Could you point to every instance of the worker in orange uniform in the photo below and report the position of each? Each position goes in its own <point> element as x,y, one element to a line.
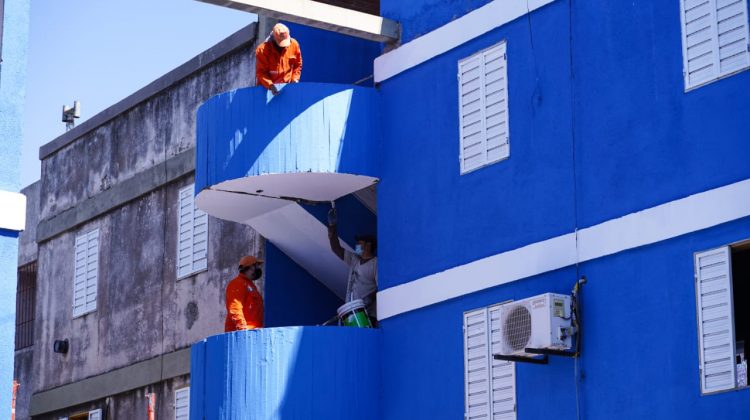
<point>244,302</point>
<point>278,59</point>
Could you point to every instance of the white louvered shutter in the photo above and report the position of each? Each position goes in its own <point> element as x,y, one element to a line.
<point>476,365</point>
<point>86,273</point>
<point>503,379</point>
<point>192,240</point>
<point>496,103</point>
<point>483,108</point>
<point>182,404</point>
<point>713,280</point>
<point>714,39</point>
<point>95,414</point>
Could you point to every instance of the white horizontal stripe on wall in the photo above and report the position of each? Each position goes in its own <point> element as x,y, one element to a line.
<point>451,35</point>
<point>669,220</point>
<point>12,211</point>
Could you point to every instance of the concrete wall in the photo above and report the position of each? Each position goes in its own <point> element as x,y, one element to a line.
<point>130,405</point>
<point>120,172</point>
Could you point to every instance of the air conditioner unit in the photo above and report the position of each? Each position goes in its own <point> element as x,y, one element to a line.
<point>539,322</point>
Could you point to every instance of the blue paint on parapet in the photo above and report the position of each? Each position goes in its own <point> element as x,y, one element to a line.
<point>299,373</point>
<point>292,295</point>
<point>308,127</point>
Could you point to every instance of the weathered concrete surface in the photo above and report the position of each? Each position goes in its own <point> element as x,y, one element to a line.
<point>128,405</point>
<point>27,246</point>
<point>115,382</point>
<point>113,176</point>
<point>119,194</point>
<point>140,138</point>
<point>23,370</point>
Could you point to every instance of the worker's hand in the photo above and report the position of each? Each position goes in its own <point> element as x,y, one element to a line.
<point>274,89</point>
<point>332,218</point>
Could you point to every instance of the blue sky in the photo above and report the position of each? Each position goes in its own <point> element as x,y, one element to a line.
<point>100,51</point>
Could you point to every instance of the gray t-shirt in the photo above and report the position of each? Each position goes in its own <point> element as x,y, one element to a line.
<point>362,280</point>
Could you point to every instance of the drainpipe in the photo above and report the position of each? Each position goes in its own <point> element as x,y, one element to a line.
<point>151,406</point>
<point>13,401</point>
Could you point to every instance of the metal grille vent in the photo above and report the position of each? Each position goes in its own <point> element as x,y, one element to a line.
<point>516,328</point>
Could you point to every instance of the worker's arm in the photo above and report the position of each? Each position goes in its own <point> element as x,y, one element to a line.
<point>262,69</point>
<point>234,307</point>
<point>333,238</point>
<point>297,72</point>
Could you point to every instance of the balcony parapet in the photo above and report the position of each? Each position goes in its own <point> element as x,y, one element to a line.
<point>313,141</point>
<point>287,373</point>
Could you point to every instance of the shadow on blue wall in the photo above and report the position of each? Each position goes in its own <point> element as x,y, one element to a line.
<point>293,296</point>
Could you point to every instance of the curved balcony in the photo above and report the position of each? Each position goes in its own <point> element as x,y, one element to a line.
<point>313,141</point>
<point>287,373</point>
<point>260,156</point>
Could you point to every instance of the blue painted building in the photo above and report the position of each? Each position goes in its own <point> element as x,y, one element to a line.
<point>515,148</point>
<point>14,27</point>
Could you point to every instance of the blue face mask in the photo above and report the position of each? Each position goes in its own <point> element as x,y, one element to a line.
<point>358,249</point>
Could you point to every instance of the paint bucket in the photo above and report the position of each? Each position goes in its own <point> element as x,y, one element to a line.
<point>353,314</point>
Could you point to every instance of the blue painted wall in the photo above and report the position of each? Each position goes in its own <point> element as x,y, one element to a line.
<point>431,217</point>
<point>639,356</point>
<point>292,295</point>
<point>640,139</point>
<point>329,57</point>
<point>308,373</point>
<point>15,27</point>
<point>417,17</point>
<point>618,137</point>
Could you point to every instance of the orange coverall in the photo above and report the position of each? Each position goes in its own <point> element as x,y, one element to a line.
<point>277,65</point>
<point>244,305</point>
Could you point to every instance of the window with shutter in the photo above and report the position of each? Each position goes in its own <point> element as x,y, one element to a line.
<point>715,314</point>
<point>489,385</point>
<point>86,273</point>
<point>714,40</point>
<point>182,404</point>
<point>483,108</point>
<point>192,232</point>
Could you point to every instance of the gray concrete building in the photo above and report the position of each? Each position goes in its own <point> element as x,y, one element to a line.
<point>116,264</point>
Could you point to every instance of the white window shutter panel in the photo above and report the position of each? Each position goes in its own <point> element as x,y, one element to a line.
<point>185,233</point>
<point>496,103</point>
<point>503,378</point>
<point>476,365</point>
<point>699,43</point>
<point>732,28</point>
<point>200,240</point>
<point>471,110</point>
<point>79,275</point>
<point>182,404</point>
<point>483,108</point>
<point>95,414</point>
<point>714,39</point>
<point>192,235</point>
<point>92,269</point>
<point>713,279</point>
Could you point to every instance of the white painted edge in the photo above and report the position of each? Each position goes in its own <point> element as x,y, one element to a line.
<point>451,35</point>
<point>659,223</point>
<point>319,15</point>
<point>12,211</point>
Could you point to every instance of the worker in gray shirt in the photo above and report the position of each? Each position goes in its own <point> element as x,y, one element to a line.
<point>362,282</point>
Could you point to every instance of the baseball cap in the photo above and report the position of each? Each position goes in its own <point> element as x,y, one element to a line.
<point>281,35</point>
